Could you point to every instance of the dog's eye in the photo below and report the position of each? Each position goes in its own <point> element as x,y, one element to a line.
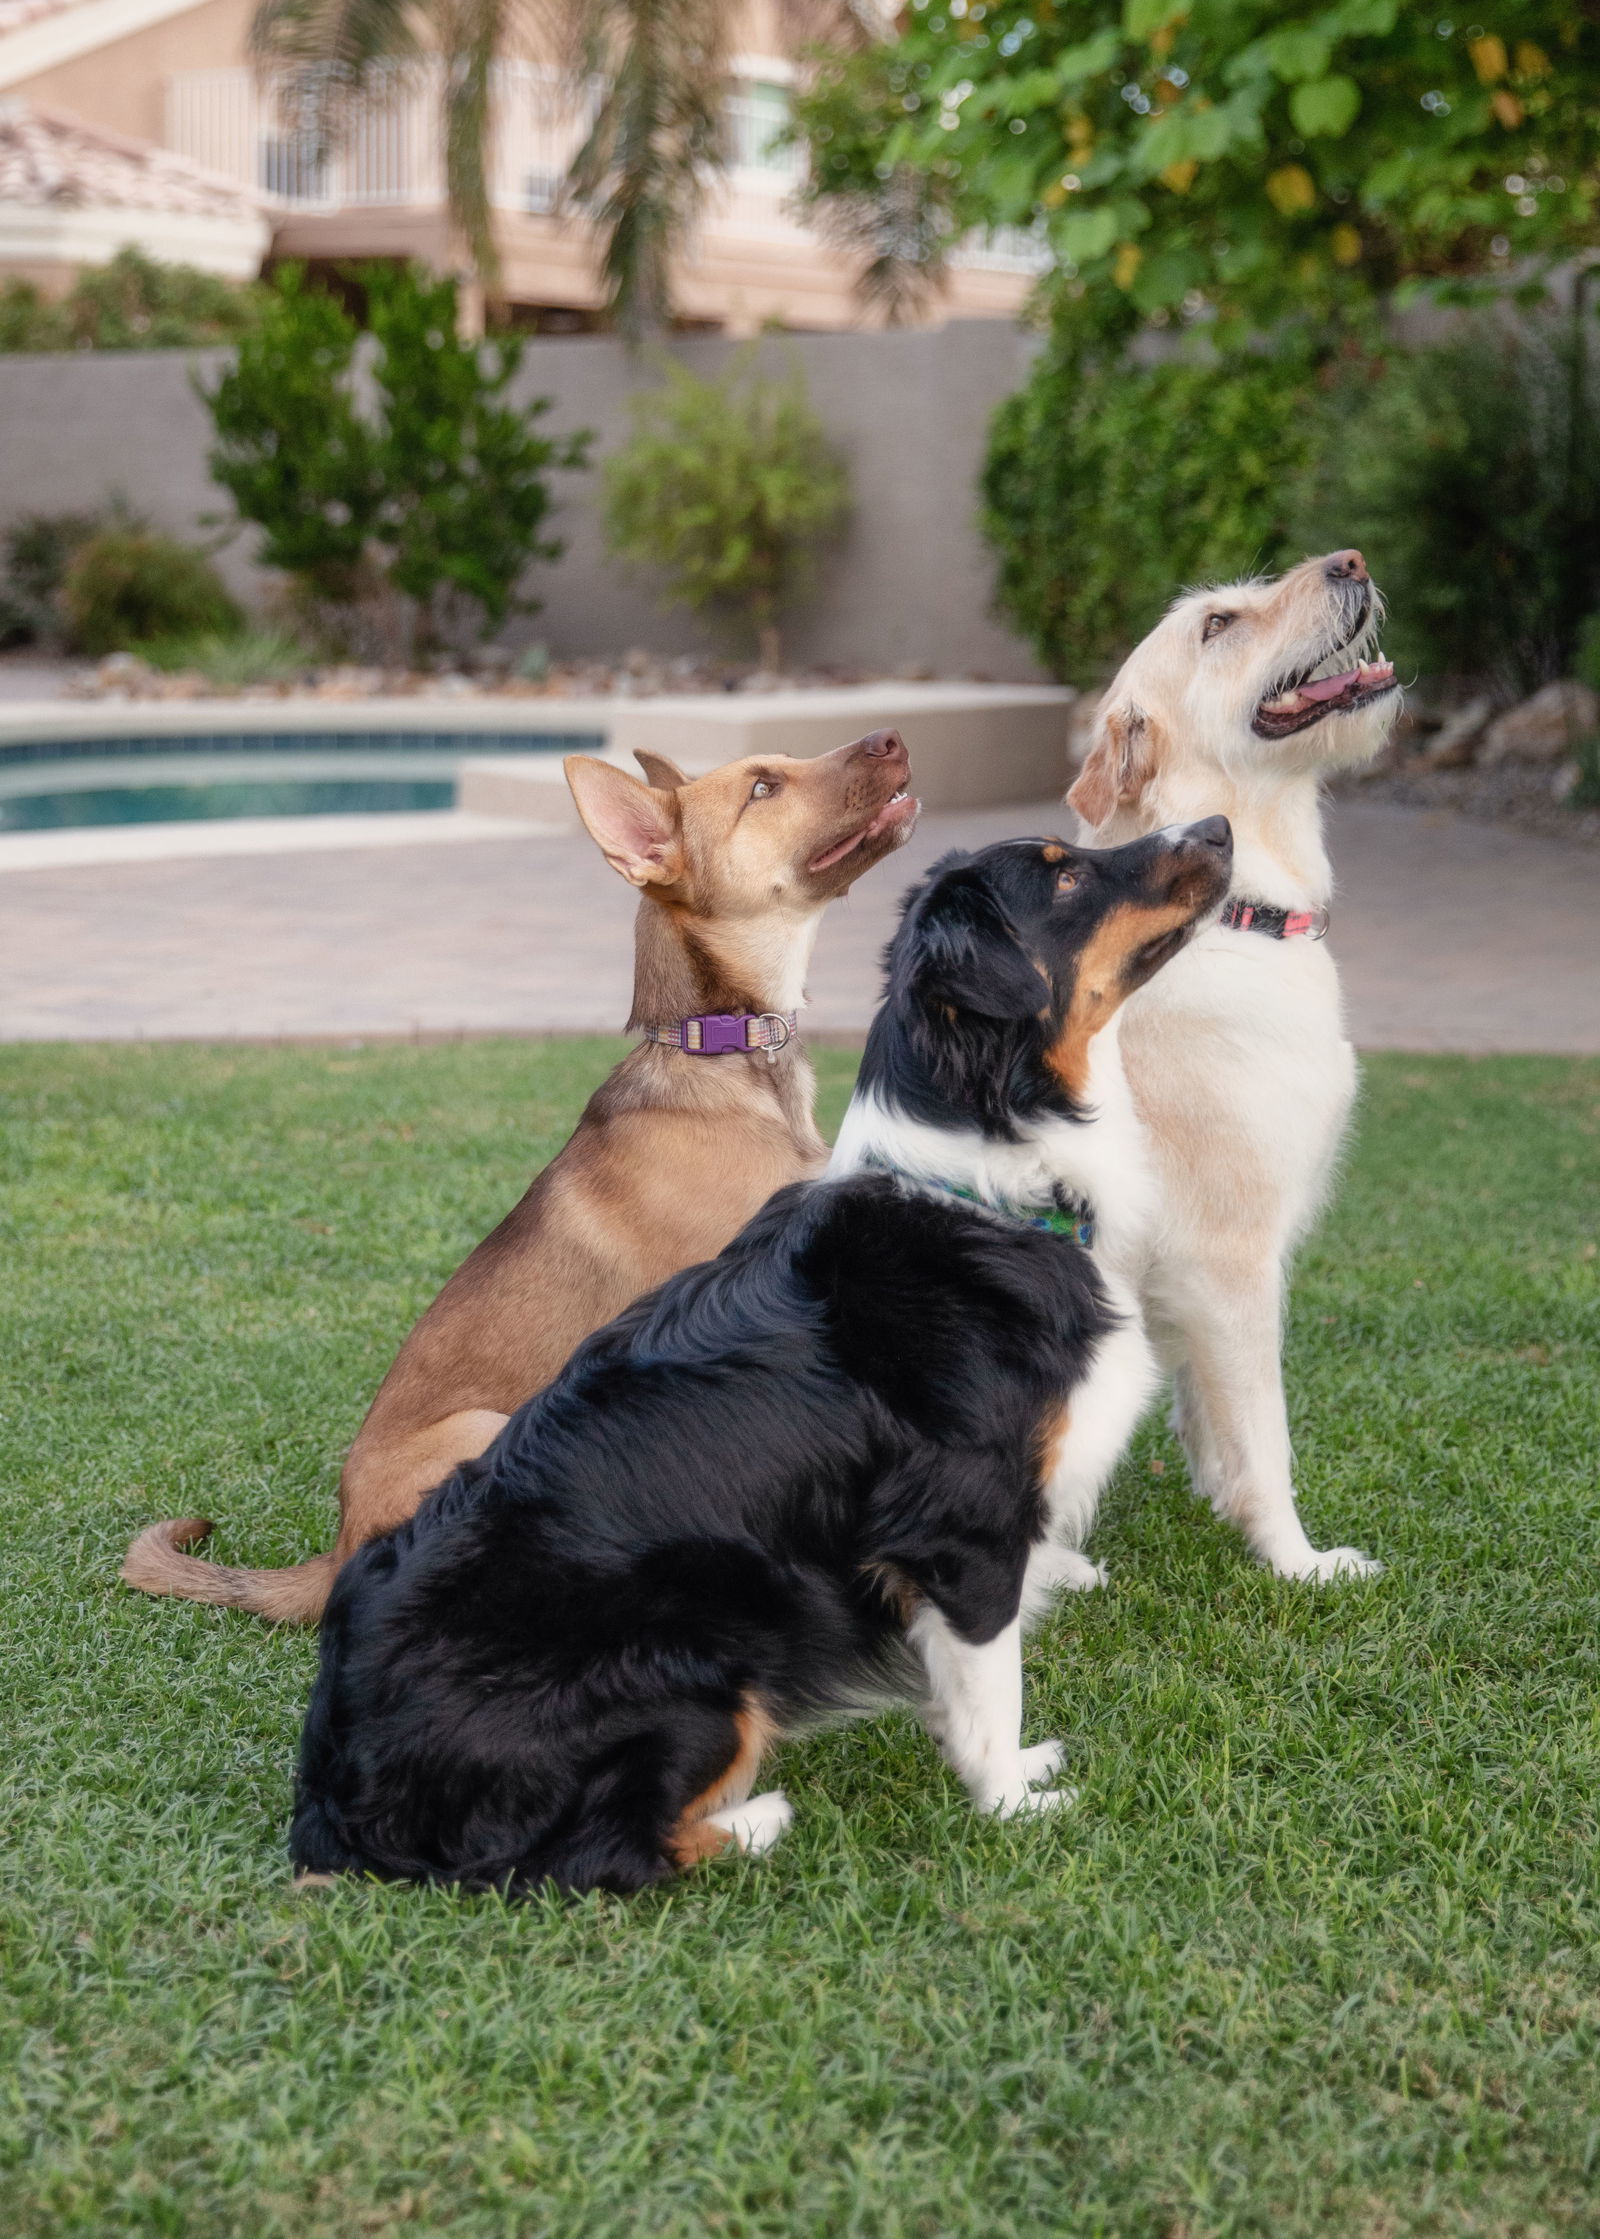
<point>1065,880</point>
<point>762,789</point>
<point>1215,625</point>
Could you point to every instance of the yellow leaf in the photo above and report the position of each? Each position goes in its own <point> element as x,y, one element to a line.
<point>1053,197</point>
<point>1080,139</point>
<point>1161,41</point>
<point>1345,243</point>
<point>1488,57</point>
<point>1532,61</point>
<point>1128,260</point>
<point>1290,189</point>
<point>1180,176</point>
<point>1507,108</point>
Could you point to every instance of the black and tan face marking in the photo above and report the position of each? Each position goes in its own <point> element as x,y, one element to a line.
<point>1009,961</point>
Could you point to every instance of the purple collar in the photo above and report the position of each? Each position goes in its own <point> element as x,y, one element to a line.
<point>728,1033</point>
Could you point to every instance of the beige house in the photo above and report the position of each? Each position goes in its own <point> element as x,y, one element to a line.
<point>172,75</point>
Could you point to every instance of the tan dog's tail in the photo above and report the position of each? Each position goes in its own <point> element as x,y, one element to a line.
<point>156,1564</point>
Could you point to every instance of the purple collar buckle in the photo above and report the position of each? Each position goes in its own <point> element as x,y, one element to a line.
<point>729,1033</point>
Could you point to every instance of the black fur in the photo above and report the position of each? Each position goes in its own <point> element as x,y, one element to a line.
<point>733,1494</point>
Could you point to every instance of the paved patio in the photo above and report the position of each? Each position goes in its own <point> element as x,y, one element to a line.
<point>1452,936</point>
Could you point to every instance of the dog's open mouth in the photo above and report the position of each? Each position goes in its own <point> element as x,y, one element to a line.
<point>1309,697</point>
<point>899,809</point>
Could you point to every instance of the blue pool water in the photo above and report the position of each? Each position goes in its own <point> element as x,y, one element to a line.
<point>55,784</point>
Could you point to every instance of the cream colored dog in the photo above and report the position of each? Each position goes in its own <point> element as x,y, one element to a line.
<point>1239,702</point>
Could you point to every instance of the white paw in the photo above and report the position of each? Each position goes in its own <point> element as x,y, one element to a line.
<point>1042,1762</point>
<point>1027,1803</point>
<point>1030,1791</point>
<point>1329,1562</point>
<point>1064,1570</point>
<point>756,1824</point>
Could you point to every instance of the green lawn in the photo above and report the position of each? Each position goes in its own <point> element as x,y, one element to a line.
<point>1318,1951</point>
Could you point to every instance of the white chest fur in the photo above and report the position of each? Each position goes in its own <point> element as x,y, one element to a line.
<point>1101,1160</point>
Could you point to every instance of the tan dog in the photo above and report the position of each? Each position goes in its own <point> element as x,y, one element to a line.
<point>1238,703</point>
<point>673,1153</point>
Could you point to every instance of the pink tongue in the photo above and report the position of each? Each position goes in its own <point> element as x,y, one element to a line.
<point>1329,687</point>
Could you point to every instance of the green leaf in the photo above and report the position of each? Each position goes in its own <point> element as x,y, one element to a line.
<point>1326,108</point>
<point>1298,51</point>
<point>1087,59</point>
<point>1086,234</point>
<point>1362,18</point>
<point>1141,18</point>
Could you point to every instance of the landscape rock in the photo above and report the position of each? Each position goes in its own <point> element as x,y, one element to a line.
<point>1545,728</point>
<point>1455,744</point>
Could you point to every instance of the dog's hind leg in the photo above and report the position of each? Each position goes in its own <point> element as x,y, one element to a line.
<point>1190,1427</point>
<point>725,1816</point>
<point>756,1824</point>
<point>973,1710</point>
<point>1231,1397</point>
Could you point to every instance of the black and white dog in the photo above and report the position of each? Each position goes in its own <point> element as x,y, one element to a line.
<point>839,1463</point>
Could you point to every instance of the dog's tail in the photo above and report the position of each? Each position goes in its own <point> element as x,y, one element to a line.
<point>156,1564</point>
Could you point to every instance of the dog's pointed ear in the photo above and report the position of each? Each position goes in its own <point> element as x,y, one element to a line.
<point>970,958</point>
<point>636,827</point>
<point>1119,765</point>
<point>660,769</point>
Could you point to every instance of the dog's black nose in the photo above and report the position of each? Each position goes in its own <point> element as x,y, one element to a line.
<point>1215,832</point>
<point>881,744</point>
<point>1345,567</point>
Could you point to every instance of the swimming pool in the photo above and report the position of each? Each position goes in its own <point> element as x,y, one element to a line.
<point>56,784</point>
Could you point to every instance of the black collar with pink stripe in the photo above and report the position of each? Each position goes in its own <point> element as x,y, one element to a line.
<point>1278,925</point>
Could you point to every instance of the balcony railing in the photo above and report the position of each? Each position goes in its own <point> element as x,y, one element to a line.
<point>391,153</point>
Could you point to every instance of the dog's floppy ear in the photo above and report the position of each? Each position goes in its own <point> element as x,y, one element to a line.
<point>969,958</point>
<point>660,769</point>
<point>636,827</point>
<point>1119,766</point>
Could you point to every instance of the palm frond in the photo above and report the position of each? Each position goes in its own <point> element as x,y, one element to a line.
<point>324,58</point>
<point>897,233</point>
<point>475,34</point>
<point>658,137</point>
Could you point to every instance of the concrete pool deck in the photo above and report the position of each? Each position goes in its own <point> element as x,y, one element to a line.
<point>1451,936</point>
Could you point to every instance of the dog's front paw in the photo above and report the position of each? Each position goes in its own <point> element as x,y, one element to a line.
<point>1027,1803</point>
<point>756,1824</point>
<point>1042,1762</point>
<point>1030,1791</point>
<point>1063,1570</point>
<point>1319,1565</point>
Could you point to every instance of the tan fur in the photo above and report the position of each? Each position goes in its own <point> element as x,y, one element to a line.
<point>1101,985</point>
<point>672,1156</point>
<point>692,1839</point>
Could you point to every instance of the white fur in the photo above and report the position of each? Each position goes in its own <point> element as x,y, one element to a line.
<point>974,1705</point>
<point>1102,1160</point>
<point>1236,1052</point>
<point>973,1711</point>
<point>757,1823</point>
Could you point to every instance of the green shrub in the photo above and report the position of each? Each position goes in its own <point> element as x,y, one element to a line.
<point>727,486</point>
<point>132,303</point>
<point>245,656</point>
<point>465,476</point>
<point>1469,474</point>
<point>36,551</point>
<point>127,585</point>
<point>1109,487</point>
<point>426,504</point>
<point>292,450</point>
